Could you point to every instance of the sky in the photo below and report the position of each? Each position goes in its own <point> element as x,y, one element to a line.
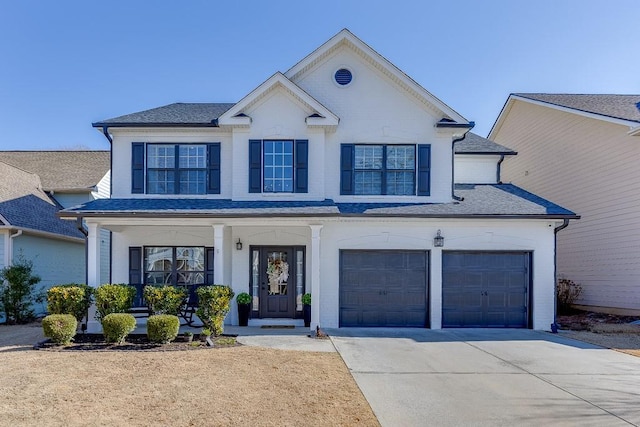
<point>67,64</point>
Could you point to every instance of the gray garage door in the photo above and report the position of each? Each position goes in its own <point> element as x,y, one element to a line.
<point>383,288</point>
<point>485,289</point>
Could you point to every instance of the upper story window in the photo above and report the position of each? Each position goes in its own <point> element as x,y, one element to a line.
<point>385,169</point>
<point>175,168</point>
<point>399,170</point>
<point>278,166</point>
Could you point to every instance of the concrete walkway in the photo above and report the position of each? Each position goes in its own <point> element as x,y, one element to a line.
<point>417,377</point>
<point>280,338</point>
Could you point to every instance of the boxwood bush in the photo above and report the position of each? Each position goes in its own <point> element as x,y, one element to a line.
<point>61,328</point>
<point>116,327</point>
<point>71,298</point>
<point>113,298</point>
<point>163,328</point>
<point>164,299</point>
<point>213,306</point>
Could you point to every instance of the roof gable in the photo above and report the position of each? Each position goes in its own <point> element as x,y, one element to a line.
<point>346,38</point>
<point>618,109</point>
<point>319,114</point>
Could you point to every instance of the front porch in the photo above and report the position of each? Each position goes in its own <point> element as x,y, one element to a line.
<point>240,253</point>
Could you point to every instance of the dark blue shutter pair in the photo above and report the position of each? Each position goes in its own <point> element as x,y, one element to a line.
<point>137,168</point>
<point>300,162</point>
<point>347,166</point>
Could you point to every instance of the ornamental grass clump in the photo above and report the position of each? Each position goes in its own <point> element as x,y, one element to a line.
<point>164,299</point>
<point>116,327</point>
<point>112,298</point>
<point>72,298</point>
<point>162,328</point>
<point>213,306</point>
<point>61,328</point>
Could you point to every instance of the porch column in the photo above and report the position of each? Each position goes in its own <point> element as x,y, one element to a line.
<point>93,255</point>
<point>218,258</point>
<point>93,272</point>
<point>315,275</point>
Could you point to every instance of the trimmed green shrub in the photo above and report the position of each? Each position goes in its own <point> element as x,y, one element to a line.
<point>113,298</point>
<point>18,293</point>
<point>306,299</point>
<point>213,306</point>
<point>61,328</point>
<point>243,298</point>
<point>164,299</point>
<point>163,328</point>
<point>72,298</point>
<point>116,326</point>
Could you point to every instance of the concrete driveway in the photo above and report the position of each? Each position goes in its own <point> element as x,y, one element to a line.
<point>464,377</point>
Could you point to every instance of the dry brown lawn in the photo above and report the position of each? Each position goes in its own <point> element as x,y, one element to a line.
<point>210,387</point>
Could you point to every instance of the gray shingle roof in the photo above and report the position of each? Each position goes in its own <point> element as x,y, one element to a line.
<point>479,200</point>
<point>475,144</point>
<point>62,170</point>
<point>185,114</point>
<point>24,205</point>
<point>625,107</point>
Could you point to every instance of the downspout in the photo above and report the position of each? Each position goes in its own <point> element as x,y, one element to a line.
<point>105,131</point>
<point>453,167</point>
<point>11,237</point>
<point>565,224</point>
<point>498,180</point>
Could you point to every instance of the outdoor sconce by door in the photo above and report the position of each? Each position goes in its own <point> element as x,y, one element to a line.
<point>239,245</point>
<point>438,241</point>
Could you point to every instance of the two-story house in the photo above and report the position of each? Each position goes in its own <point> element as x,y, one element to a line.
<point>334,178</point>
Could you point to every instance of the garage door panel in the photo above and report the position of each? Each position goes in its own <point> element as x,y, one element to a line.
<point>485,289</point>
<point>383,288</point>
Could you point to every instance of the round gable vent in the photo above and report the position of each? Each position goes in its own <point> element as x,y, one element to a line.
<point>343,77</point>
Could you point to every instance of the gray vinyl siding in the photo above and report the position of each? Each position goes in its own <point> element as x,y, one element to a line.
<point>589,166</point>
<point>55,261</point>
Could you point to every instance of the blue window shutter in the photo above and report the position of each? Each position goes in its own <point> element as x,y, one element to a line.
<point>424,170</point>
<point>213,157</point>
<point>135,272</point>
<point>209,263</point>
<point>255,166</point>
<point>137,167</point>
<point>301,166</point>
<point>347,161</point>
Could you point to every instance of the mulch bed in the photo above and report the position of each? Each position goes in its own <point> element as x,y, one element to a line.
<point>138,342</point>
<point>578,320</point>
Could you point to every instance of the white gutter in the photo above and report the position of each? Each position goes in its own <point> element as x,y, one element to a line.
<point>634,131</point>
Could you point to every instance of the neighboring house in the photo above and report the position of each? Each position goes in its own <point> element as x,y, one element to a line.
<point>334,178</point>
<point>34,187</point>
<point>583,151</point>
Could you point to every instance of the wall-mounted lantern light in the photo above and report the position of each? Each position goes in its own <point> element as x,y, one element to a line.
<point>239,244</point>
<point>438,241</point>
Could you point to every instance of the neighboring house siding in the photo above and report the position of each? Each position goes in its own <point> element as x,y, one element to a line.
<point>475,169</point>
<point>103,188</point>
<point>67,200</point>
<point>55,261</point>
<point>3,253</point>
<point>590,167</point>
